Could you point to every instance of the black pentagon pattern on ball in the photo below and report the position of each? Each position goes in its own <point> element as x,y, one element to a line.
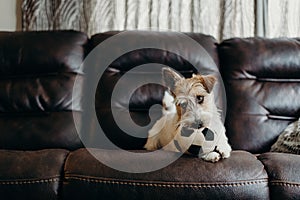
<point>195,150</point>
<point>177,146</point>
<point>208,134</point>
<point>186,132</point>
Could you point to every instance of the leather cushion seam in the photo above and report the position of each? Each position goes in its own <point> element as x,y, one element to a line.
<point>284,183</point>
<point>168,184</point>
<point>22,182</point>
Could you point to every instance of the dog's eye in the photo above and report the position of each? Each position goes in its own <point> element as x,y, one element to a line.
<point>183,105</point>
<point>200,99</point>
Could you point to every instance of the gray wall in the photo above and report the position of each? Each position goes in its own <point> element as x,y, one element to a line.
<point>10,15</point>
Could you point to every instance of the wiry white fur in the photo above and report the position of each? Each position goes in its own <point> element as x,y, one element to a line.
<point>168,104</point>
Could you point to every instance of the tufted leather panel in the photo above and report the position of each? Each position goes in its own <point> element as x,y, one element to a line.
<point>181,57</point>
<point>33,131</point>
<point>31,174</point>
<point>38,94</point>
<point>283,172</point>
<point>37,75</point>
<point>41,52</point>
<point>262,79</point>
<point>240,177</point>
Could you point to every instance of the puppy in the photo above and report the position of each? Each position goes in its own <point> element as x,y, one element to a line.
<point>188,104</point>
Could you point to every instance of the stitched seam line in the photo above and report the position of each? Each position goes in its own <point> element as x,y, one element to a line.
<point>168,184</point>
<point>21,182</point>
<point>287,184</point>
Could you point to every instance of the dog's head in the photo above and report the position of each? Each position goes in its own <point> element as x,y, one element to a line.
<point>193,98</point>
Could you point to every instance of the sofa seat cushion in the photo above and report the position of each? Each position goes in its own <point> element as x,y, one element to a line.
<point>31,174</point>
<point>240,176</point>
<point>284,176</point>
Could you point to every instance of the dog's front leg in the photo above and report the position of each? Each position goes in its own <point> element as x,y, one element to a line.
<point>224,149</point>
<point>152,143</point>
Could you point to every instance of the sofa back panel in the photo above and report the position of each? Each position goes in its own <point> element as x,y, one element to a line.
<point>40,93</point>
<point>140,100</point>
<point>262,59</point>
<point>262,80</point>
<point>42,52</point>
<point>37,91</point>
<point>180,58</point>
<point>33,131</point>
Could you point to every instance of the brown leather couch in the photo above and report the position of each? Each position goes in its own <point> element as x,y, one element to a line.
<point>45,91</point>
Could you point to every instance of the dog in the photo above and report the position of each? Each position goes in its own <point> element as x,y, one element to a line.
<point>188,103</point>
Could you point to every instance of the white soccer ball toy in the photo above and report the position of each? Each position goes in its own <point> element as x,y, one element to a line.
<point>196,141</point>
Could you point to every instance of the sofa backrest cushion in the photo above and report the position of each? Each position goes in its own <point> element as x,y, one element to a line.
<point>37,100</point>
<point>145,96</point>
<point>262,79</point>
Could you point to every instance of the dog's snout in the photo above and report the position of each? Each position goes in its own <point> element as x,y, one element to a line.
<point>197,124</point>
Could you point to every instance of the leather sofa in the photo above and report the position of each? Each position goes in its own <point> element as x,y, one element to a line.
<point>49,137</point>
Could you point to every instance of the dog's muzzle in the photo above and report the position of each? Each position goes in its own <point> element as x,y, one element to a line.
<point>197,124</point>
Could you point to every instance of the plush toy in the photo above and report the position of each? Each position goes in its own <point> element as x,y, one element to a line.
<point>196,141</point>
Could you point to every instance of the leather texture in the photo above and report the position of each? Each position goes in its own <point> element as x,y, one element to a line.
<point>283,172</point>
<point>31,174</point>
<point>262,79</point>
<point>37,93</point>
<point>41,52</point>
<point>188,178</point>
<point>39,102</point>
<point>142,98</point>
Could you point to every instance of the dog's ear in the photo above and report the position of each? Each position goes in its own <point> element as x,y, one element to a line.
<point>209,82</point>
<point>170,77</point>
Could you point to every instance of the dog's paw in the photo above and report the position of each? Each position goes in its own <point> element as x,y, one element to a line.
<point>224,150</point>
<point>211,157</point>
<point>151,144</point>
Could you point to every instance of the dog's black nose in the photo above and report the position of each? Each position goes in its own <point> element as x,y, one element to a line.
<point>197,124</point>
